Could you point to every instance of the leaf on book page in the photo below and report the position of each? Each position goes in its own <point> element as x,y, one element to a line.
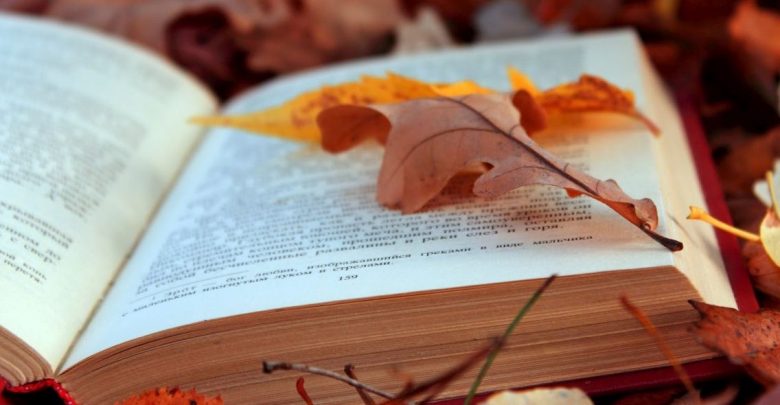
<point>428,141</point>
<point>171,396</point>
<point>296,118</point>
<point>590,94</point>
<point>749,339</point>
<point>540,396</point>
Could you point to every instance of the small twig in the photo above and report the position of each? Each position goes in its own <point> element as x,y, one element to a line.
<point>302,391</point>
<point>508,332</point>
<point>440,382</point>
<point>662,345</point>
<point>271,366</point>
<point>349,370</point>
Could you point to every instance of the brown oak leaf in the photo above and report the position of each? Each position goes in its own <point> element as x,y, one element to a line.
<point>750,339</point>
<point>428,141</point>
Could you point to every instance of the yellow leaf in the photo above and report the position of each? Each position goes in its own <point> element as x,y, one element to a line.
<point>459,89</point>
<point>296,119</point>
<point>770,236</point>
<point>591,94</point>
<point>519,81</point>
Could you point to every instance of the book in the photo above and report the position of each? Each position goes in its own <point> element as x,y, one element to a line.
<point>141,251</point>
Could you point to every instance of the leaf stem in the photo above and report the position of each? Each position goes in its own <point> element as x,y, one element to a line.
<point>771,184</point>
<point>508,332</point>
<point>271,366</point>
<point>702,215</point>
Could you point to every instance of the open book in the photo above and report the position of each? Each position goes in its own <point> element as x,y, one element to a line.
<point>137,250</point>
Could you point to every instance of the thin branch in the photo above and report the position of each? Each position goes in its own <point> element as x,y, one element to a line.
<point>440,382</point>
<point>271,366</point>
<point>508,332</point>
<point>662,345</point>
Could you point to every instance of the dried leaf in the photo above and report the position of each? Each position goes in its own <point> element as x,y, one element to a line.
<point>540,396</point>
<point>770,236</point>
<point>519,81</point>
<point>591,94</point>
<point>296,119</point>
<point>428,141</point>
<point>233,44</point>
<point>763,271</point>
<point>757,30</point>
<point>750,339</point>
<point>171,396</point>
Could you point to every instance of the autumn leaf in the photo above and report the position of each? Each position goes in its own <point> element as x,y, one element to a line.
<point>296,118</point>
<point>762,250</point>
<point>519,81</point>
<point>590,94</point>
<point>428,141</point>
<point>750,339</point>
<point>171,396</point>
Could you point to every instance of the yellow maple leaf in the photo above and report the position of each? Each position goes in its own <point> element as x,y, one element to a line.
<point>296,119</point>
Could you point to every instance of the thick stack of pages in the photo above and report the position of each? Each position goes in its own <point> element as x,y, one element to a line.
<point>128,264</point>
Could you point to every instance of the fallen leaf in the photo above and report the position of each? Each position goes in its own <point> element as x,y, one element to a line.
<point>296,119</point>
<point>428,141</point>
<point>749,339</point>
<point>171,396</point>
<point>763,271</point>
<point>540,396</point>
<point>233,44</point>
<point>591,94</point>
<point>770,235</point>
<point>520,81</point>
<point>756,29</point>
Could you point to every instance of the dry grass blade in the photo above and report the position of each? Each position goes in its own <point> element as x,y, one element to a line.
<point>643,319</point>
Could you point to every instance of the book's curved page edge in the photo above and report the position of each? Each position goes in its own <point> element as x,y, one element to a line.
<point>236,170</point>
<point>679,158</point>
<point>738,274</point>
<point>109,121</point>
<point>19,362</point>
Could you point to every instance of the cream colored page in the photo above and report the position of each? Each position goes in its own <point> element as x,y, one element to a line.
<point>92,133</point>
<point>701,261</point>
<point>257,223</point>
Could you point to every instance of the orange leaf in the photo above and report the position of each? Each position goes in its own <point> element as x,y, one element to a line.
<point>171,396</point>
<point>519,81</point>
<point>591,94</point>
<point>748,339</point>
<point>428,141</point>
<point>296,118</point>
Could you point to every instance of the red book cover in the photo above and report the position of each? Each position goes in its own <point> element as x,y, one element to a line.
<point>50,392</point>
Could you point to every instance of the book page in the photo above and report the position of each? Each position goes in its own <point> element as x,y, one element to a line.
<point>92,133</point>
<point>259,223</point>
